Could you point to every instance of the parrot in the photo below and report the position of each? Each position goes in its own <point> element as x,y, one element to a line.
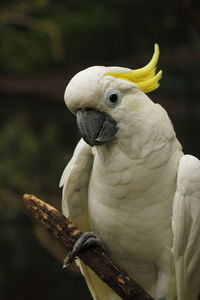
<point>129,186</point>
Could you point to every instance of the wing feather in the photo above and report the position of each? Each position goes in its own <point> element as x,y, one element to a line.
<point>186,228</point>
<point>75,181</point>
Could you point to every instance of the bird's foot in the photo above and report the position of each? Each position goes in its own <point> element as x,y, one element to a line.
<point>87,239</point>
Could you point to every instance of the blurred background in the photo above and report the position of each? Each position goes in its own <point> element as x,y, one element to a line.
<point>42,45</point>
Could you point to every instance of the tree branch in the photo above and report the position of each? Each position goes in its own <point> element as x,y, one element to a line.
<point>94,257</point>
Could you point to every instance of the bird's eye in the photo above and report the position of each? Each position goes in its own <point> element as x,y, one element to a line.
<point>113,98</point>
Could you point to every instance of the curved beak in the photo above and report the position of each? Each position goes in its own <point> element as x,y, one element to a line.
<point>96,127</point>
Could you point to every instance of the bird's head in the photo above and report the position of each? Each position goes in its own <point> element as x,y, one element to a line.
<point>101,97</point>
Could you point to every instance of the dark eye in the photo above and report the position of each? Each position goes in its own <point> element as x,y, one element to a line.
<point>113,98</point>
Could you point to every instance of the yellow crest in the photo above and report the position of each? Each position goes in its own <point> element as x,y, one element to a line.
<point>145,78</point>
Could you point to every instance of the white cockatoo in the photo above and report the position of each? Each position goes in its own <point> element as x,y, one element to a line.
<point>130,183</point>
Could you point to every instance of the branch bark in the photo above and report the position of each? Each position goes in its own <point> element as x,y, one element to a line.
<point>94,257</point>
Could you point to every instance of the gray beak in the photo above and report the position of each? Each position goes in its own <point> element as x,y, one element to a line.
<point>96,127</point>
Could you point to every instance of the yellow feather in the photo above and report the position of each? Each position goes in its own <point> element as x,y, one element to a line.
<point>145,78</point>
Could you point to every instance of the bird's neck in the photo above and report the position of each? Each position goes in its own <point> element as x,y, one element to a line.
<point>150,155</point>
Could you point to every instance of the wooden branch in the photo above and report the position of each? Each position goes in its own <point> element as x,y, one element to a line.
<point>94,257</point>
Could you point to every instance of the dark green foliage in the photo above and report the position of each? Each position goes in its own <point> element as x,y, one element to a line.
<point>39,38</point>
<point>35,145</point>
<point>41,34</point>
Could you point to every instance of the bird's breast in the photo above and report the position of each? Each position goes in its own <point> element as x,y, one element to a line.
<point>130,208</point>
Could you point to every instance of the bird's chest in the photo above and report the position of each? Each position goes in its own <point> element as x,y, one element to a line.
<point>130,213</point>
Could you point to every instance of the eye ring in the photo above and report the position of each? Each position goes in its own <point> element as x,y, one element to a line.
<point>113,98</point>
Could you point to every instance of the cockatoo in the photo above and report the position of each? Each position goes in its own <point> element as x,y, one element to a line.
<point>130,183</point>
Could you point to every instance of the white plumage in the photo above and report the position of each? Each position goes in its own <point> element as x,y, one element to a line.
<point>137,192</point>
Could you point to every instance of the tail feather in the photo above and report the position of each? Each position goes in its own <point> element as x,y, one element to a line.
<point>98,289</point>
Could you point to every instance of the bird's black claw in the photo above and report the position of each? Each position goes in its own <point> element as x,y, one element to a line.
<point>68,260</point>
<point>87,239</point>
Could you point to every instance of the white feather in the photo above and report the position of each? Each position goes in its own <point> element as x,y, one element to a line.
<point>186,227</point>
<point>124,191</point>
<point>75,182</point>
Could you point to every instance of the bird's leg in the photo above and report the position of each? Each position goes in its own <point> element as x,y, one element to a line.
<point>87,239</point>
